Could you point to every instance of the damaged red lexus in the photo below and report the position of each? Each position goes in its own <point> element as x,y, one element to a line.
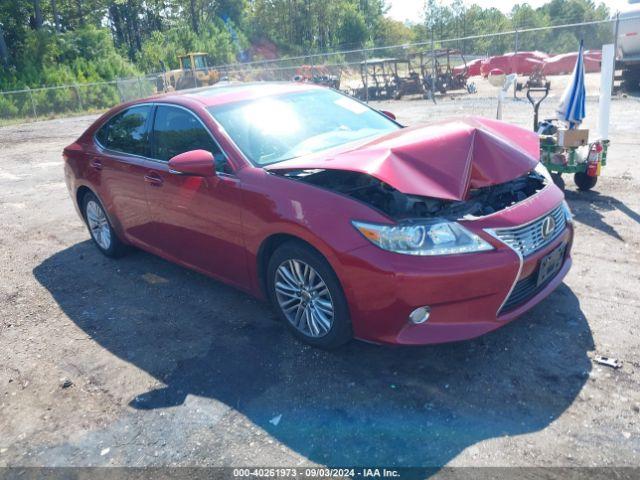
<point>351,224</point>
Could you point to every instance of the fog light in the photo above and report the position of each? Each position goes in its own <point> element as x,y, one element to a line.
<point>420,315</point>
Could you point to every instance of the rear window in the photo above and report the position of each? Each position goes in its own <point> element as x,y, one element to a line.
<point>127,131</point>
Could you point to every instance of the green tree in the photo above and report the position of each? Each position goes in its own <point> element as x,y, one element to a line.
<point>353,30</point>
<point>393,32</point>
<point>58,41</point>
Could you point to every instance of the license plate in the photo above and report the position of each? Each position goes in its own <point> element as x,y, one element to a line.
<point>551,264</point>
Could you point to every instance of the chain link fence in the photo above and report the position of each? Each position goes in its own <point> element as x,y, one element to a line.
<point>49,102</point>
<point>365,73</point>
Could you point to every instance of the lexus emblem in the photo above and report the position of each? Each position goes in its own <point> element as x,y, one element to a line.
<point>548,226</point>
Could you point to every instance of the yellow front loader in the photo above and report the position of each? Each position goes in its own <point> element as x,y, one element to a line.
<point>194,72</point>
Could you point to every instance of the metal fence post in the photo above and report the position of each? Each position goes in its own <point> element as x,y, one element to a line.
<point>120,89</point>
<point>75,85</point>
<point>140,87</point>
<point>33,104</point>
<point>515,84</point>
<point>366,76</point>
<point>434,69</point>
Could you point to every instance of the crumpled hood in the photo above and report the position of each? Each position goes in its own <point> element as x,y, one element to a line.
<point>442,160</point>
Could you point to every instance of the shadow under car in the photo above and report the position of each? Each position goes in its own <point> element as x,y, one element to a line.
<point>361,405</point>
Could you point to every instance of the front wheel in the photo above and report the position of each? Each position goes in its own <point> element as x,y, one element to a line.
<point>584,182</point>
<point>307,294</point>
<point>102,233</point>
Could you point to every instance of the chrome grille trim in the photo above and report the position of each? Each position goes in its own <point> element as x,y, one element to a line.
<point>527,288</point>
<point>512,233</point>
<point>516,278</point>
<point>527,239</point>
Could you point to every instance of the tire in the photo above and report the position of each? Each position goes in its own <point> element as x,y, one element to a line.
<point>102,233</point>
<point>331,331</point>
<point>584,182</point>
<point>631,79</point>
<point>558,180</point>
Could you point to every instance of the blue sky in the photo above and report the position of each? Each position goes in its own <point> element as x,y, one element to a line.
<point>412,9</point>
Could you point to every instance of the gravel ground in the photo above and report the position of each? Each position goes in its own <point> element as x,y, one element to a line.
<point>138,362</point>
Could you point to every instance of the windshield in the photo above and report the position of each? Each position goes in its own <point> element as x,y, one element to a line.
<point>278,128</point>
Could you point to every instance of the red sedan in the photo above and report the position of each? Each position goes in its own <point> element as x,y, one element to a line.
<point>352,225</point>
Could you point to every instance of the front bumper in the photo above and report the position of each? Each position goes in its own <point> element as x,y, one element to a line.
<point>465,292</point>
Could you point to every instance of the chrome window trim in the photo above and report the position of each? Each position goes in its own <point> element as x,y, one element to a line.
<point>166,104</point>
<point>156,160</point>
<point>106,149</point>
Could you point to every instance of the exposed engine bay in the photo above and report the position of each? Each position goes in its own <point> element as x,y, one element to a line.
<point>397,205</point>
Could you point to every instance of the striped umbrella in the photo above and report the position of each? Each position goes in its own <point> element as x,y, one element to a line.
<point>572,103</point>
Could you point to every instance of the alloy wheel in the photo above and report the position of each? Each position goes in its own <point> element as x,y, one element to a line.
<point>304,298</point>
<point>98,224</point>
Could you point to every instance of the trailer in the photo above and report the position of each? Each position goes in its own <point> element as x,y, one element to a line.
<point>567,151</point>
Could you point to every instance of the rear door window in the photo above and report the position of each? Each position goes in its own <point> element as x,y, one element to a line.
<point>176,131</point>
<point>127,132</point>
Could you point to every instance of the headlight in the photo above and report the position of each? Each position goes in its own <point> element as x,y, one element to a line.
<point>567,212</point>
<point>435,237</point>
<point>542,170</point>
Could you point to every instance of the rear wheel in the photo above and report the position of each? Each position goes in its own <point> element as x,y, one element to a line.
<point>631,79</point>
<point>102,233</point>
<point>307,294</point>
<point>584,182</point>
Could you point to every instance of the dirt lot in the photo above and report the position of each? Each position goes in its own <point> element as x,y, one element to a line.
<point>104,364</point>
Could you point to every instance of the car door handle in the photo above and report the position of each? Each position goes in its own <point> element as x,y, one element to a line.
<point>153,178</point>
<point>96,163</point>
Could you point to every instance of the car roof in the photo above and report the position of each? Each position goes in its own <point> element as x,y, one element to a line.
<point>230,92</point>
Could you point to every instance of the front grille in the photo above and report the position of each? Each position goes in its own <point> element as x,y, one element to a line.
<point>527,239</point>
<point>527,288</point>
<point>524,290</point>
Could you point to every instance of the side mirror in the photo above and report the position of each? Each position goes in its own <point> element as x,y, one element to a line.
<point>388,114</point>
<point>199,163</point>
